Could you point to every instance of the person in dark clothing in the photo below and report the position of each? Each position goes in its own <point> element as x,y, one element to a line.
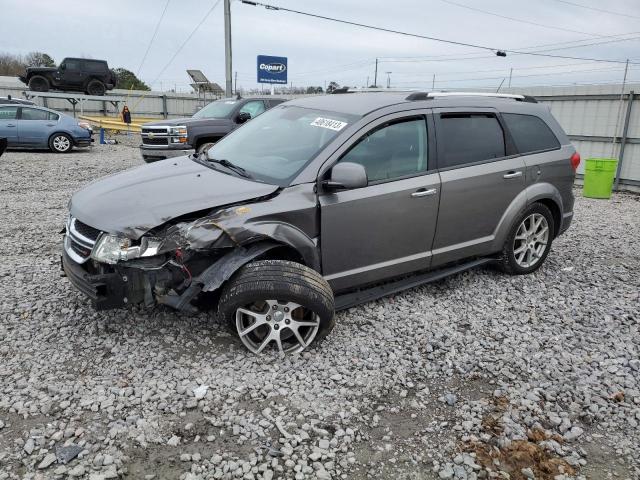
<point>126,115</point>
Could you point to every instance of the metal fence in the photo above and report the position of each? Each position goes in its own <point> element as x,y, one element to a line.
<point>592,115</point>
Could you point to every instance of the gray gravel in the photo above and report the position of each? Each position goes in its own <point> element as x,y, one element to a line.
<point>471,377</point>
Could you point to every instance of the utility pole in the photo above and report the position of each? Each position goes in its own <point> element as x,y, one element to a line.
<point>227,48</point>
<point>367,84</point>
<point>235,83</point>
<point>510,75</point>
<point>433,84</point>
<point>615,131</point>
<point>375,77</point>
<point>388,79</point>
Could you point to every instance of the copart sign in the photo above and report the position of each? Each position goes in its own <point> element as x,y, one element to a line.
<point>272,69</point>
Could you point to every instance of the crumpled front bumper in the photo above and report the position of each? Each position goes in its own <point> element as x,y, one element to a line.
<point>107,290</point>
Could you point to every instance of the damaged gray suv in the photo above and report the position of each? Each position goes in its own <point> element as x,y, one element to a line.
<point>323,203</point>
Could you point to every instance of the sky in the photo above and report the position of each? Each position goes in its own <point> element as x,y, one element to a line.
<point>320,51</point>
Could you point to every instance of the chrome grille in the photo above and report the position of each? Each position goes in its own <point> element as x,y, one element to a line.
<point>155,135</point>
<point>79,240</point>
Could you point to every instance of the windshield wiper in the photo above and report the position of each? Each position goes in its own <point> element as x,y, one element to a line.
<point>231,166</point>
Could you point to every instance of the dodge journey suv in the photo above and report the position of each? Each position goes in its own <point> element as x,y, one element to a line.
<point>323,203</point>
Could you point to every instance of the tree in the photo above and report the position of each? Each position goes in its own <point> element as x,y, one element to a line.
<point>128,80</point>
<point>332,86</point>
<point>11,65</point>
<point>39,59</point>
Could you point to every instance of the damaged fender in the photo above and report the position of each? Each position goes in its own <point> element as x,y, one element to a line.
<point>214,276</point>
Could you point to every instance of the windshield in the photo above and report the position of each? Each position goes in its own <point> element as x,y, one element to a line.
<point>278,144</point>
<point>218,109</point>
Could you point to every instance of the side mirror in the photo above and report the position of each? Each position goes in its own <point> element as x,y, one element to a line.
<point>243,117</point>
<point>347,175</point>
<point>63,67</point>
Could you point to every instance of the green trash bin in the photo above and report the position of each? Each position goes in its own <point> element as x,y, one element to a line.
<point>598,177</point>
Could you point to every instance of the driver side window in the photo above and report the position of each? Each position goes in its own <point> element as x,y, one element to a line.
<point>392,150</point>
<point>253,108</point>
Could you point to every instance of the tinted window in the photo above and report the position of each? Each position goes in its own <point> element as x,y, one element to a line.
<point>253,108</point>
<point>392,150</point>
<point>72,65</point>
<point>218,109</point>
<point>53,116</point>
<point>33,114</point>
<point>468,138</point>
<point>530,133</point>
<point>8,113</point>
<point>94,66</point>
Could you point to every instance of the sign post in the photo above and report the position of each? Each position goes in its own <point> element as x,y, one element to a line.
<point>272,70</point>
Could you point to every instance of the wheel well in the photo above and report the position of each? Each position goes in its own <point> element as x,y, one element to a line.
<point>284,252</point>
<point>59,133</point>
<point>555,212</point>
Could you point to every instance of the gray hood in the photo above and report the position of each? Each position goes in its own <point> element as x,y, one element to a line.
<point>136,200</point>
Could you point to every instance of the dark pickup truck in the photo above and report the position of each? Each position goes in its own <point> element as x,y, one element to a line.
<point>181,136</point>
<point>90,76</point>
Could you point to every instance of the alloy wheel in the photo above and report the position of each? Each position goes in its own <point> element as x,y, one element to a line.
<point>292,327</point>
<point>61,143</point>
<point>531,240</point>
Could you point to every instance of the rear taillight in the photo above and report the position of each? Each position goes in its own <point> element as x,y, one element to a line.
<point>575,161</point>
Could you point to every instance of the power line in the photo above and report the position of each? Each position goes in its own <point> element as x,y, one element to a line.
<point>499,52</point>
<point>473,55</point>
<point>601,10</point>
<point>595,70</point>
<point>513,19</point>
<point>153,37</point>
<point>193,32</point>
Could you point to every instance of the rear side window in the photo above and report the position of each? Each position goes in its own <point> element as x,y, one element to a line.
<point>8,113</point>
<point>33,114</point>
<point>94,66</point>
<point>465,138</point>
<point>530,133</point>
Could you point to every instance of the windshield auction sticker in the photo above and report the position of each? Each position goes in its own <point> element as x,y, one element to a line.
<point>336,125</point>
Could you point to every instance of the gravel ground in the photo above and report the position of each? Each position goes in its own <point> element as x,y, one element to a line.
<point>478,376</point>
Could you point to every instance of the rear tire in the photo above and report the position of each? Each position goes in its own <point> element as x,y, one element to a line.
<point>96,87</point>
<point>38,83</point>
<point>60,143</point>
<point>529,241</point>
<point>277,303</point>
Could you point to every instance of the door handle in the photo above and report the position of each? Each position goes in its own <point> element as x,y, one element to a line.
<point>424,193</point>
<point>512,174</point>
<point>51,124</point>
<point>10,125</point>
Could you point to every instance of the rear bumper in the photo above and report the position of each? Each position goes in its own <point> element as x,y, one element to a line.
<point>154,154</point>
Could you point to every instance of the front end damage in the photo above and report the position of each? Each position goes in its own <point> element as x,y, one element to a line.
<point>173,264</point>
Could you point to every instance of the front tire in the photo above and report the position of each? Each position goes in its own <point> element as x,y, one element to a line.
<point>277,304</point>
<point>38,83</point>
<point>529,241</point>
<point>60,143</point>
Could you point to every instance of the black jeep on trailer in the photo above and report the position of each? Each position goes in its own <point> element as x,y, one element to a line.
<point>92,77</point>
